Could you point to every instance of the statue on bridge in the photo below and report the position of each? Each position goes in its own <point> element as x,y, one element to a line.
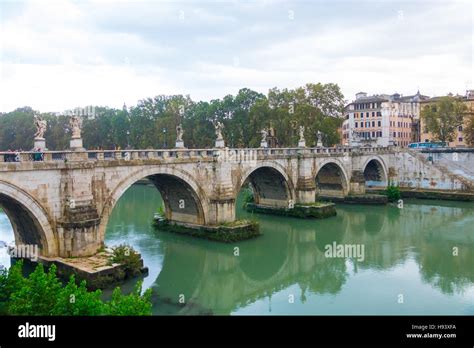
<point>76,141</point>
<point>263,142</point>
<point>75,124</point>
<point>39,141</point>
<point>219,139</point>
<point>319,142</point>
<point>179,137</point>
<point>40,127</point>
<point>302,141</point>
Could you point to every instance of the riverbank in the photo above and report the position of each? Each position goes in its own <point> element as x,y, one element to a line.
<point>429,194</point>
<point>99,270</point>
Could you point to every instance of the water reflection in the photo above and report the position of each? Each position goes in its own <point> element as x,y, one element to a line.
<point>407,251</point>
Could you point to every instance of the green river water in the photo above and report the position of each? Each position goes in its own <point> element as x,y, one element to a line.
<point>408,266</point>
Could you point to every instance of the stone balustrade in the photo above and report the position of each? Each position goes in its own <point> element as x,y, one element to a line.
<point>171,154</point>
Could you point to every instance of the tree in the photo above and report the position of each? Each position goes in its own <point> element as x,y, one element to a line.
<point>77,300</point>
<point>443,117</point>
<point>132,304</point>
<point>37,295</point>
<point>315,106</point>
<point>42,293</point>
<point>469,131</point>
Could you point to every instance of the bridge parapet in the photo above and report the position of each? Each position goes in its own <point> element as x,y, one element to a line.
<point>191,154</point>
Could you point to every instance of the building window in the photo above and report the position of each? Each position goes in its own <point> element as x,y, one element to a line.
<point>379,113</point>
<point>373,113</point>
<point>356,124</point>
<point>460,128</point>
<point>373,134</point>
<point>379,123</point>
<point>373,123</point>
<point>367,114</point>
<point>394,134</point>
<point>460,139</point>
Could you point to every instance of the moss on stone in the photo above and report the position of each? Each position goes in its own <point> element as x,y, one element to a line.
<point>227,233</point>
<point>318,210</point>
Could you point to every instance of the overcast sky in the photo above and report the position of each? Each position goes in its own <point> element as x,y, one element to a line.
<point>57,55</point>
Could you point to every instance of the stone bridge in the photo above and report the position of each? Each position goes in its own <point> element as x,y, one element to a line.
<point>61,201</point>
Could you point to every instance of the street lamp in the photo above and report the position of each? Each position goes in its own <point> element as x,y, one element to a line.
<point>164,138</point>
<point>128,139</point>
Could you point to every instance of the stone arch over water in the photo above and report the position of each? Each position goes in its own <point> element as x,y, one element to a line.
<point>270,184</point>
<point>375,172</point>
<point>30,221</point>
<point>182,196</point>
<point>331,180</point>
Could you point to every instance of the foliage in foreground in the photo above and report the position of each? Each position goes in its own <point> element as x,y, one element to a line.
<point>42,293</point>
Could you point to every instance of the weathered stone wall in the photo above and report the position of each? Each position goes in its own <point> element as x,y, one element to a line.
<point>440,170</point>
<point>65,205</point>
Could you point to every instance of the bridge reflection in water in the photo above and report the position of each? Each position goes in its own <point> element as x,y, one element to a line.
<point>408,251</point>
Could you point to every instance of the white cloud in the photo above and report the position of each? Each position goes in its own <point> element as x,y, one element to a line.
<point>58,55</point>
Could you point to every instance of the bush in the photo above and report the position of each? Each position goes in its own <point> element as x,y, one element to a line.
<point>42,293</point>
<point>127,256</point>
<point>132,304</point>
<point>393,192</point>
<point>77,300</point>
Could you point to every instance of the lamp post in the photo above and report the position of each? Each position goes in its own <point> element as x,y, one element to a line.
<point>164,138</point>
<point>128,139</point>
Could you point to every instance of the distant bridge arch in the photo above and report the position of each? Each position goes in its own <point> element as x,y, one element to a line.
<point>331,178</point>
<point>375,170</point>
<point>270,182</point>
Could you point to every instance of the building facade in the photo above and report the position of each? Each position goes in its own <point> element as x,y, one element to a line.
<point>381,120</point>
<point>459,139</point>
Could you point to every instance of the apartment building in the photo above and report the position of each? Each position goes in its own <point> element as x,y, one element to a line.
<point>381,120</point>
<point>458,137</point>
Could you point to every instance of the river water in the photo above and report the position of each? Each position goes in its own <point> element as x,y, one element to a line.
<point>414,260</point>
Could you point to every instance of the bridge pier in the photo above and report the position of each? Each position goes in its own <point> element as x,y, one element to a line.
<point>78,231</point>
<point>305,190</point>
<point>222,211</point>
<point>357,183</point>
<point>305,185</point>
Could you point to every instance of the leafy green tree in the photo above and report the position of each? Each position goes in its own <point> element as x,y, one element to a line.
<point>132,304</point>
<point>77,300</point>
<point>42,293</point>
<point>244,115</point>
<point>37,295</point>
<point>468,131</point>
<point>17,129</point>
<point>443,117</point>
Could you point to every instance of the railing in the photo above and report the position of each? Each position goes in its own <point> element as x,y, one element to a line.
<point>168,154</point>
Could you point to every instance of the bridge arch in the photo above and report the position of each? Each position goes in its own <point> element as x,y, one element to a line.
<point>183,197</point>
<point>270,182</point>
<point>30,221</point>
<point>331,179</point>
<point>375,171</point>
